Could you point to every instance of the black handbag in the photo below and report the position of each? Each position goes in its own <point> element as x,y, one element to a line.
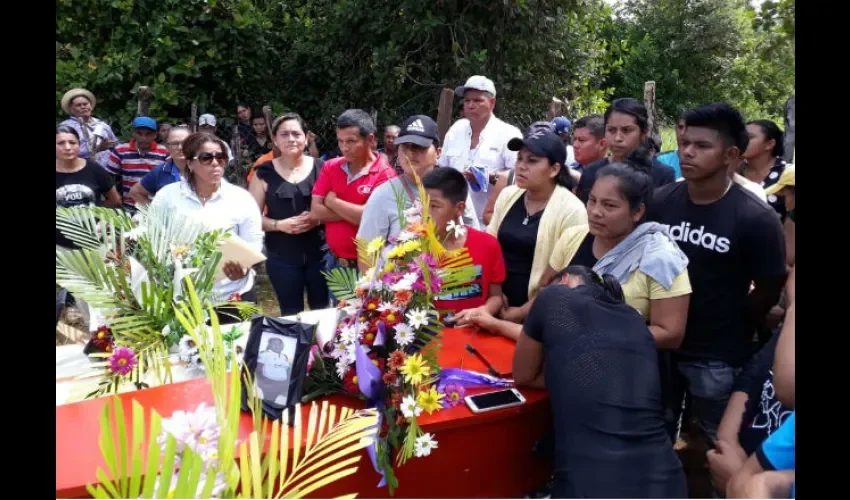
<point>276,356</point>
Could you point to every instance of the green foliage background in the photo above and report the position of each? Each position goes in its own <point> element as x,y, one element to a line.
<point>320,57</point>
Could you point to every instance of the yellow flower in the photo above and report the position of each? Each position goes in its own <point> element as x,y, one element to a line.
<point>430,400</point>
<point>415,369</point>
<point>375,245</point>
<point>389,267</point>
<point>412,246</point>
<point>397,252</point>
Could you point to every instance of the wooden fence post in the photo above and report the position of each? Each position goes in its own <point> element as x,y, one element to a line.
<point>445,112</point>
<point>145,97</point>
<point>649,102</point>
<point>790,129</point>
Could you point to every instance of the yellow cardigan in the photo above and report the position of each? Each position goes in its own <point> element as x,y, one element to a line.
<point>563,211</point>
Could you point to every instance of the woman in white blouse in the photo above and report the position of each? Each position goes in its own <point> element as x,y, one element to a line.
<point>206,196</point>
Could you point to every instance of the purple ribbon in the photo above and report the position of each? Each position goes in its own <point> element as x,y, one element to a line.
<point>468,378</point>
<point>381,337</point>
<point>369,378</point>
<point>372,450</point>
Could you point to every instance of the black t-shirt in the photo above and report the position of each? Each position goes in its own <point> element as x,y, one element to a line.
<point>661,175</point>
<point>730,243</point>
<point>764,413</point>
<point>601,372</point>
<point>284,200</point>
<point>518,240</point>
<point>83,188</point>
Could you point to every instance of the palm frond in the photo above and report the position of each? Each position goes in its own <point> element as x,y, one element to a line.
<point>342,281</point>
<point>363,254</point>
<point>93,227</point>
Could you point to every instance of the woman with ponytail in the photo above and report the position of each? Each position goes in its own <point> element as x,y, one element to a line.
<point>626,130</point>
<point>530,216</point>
<point>595,355</point>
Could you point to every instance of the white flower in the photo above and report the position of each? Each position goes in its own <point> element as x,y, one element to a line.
<point>413,219</point>
<point>409,408</point>
<point>458,229</point>
<point>403,285</point>
<point>188,349</point>
<point>364,280</point>
<point>347,334</point>
<point>351,353</point>
<point>404,334</point>
<point>198,430</point>
<point>411,277</point>
<point>387,306</point>
<point>341,367</point>
<point>424,444</point>
<point>417,318</point>
<point>352,307</point>
<point>338,352</point>
<point>196,362</point>
<point>166,330</point>
<point>406,236</point>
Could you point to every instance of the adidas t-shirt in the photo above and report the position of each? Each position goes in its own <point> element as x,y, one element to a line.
<point>729,243</point>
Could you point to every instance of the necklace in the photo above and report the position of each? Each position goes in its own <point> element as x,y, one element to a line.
<point>527,212</point>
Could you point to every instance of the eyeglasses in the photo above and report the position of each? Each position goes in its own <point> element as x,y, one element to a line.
<point>178,144</point>
<point>207,158</point>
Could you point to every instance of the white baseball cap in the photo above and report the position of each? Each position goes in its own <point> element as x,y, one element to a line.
<point>477,82</point>
<point>206,119</point>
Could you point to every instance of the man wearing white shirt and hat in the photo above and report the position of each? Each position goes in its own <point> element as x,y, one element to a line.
<point>477,144</point>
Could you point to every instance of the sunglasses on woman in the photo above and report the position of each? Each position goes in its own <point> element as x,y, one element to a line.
<point>207,158</point>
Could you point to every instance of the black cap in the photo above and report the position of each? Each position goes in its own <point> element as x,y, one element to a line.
<point>420,130</point>
<point>542,142</point>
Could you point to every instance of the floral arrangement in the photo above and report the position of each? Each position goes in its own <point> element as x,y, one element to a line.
<point>386,344</point>
<point>131,271</point>
<point>193,453</point>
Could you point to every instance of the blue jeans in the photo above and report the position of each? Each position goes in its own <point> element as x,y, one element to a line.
<point>709,383</point>
<point>290,279</point>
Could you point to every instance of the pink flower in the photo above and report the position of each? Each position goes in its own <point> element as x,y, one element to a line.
<point>454,395</point>
<point>310,360</point>
<point>122,361</point>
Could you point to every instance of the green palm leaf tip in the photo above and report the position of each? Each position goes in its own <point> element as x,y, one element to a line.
<point>342,281</point>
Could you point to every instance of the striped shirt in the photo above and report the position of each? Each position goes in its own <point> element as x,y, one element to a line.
<point>126,161</point>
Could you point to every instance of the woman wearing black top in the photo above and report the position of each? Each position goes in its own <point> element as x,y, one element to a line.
<point>598,360</point>
<point>765,163</point>
<point>79,182</point>
<point>626,129</point>
<point>283,188</point>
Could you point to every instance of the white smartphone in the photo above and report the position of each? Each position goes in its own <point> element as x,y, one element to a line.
<point>495,400</point>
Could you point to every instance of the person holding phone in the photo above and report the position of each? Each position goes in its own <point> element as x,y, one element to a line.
<point>598,360</point>
<point>217,204</point>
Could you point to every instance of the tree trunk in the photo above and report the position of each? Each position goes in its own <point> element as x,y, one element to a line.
<point>445,112</point>
<point>145,98</point>
<point>790,129</point>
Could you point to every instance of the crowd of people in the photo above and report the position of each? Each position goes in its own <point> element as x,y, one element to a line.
<point>641,287</point>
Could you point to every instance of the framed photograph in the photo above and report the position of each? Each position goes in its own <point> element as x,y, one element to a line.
<point>276,355</point>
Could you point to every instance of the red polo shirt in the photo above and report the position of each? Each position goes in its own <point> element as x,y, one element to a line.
<point>335,177</point>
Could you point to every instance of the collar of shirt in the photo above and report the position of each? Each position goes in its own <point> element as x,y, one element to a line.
<point>187,192</point>
<point>132,145</point>
<point>372,169</point>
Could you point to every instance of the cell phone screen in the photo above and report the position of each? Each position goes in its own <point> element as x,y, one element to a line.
<point>493,399</point>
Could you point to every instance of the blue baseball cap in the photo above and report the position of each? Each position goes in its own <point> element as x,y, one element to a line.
<point>562,125</point>
<point>144,122</point>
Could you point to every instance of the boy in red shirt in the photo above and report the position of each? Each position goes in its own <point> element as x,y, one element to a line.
<point>345,184</point>
<point>447,190</point>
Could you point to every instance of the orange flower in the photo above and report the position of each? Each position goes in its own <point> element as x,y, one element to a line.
<point>397,359</point>
<point>417,228</point>
<point>403,297</point>
<point>390,378</point>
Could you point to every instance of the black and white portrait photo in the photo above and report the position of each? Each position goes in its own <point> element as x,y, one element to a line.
<point>274,368</point>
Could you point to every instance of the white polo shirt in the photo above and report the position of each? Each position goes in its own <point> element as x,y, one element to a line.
<point>491,153</point>
<point>231,207</point>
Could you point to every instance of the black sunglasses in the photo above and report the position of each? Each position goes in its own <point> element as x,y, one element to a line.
<point>207,158</point>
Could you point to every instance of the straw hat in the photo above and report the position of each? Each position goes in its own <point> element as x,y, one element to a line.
<point>71,94</point>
